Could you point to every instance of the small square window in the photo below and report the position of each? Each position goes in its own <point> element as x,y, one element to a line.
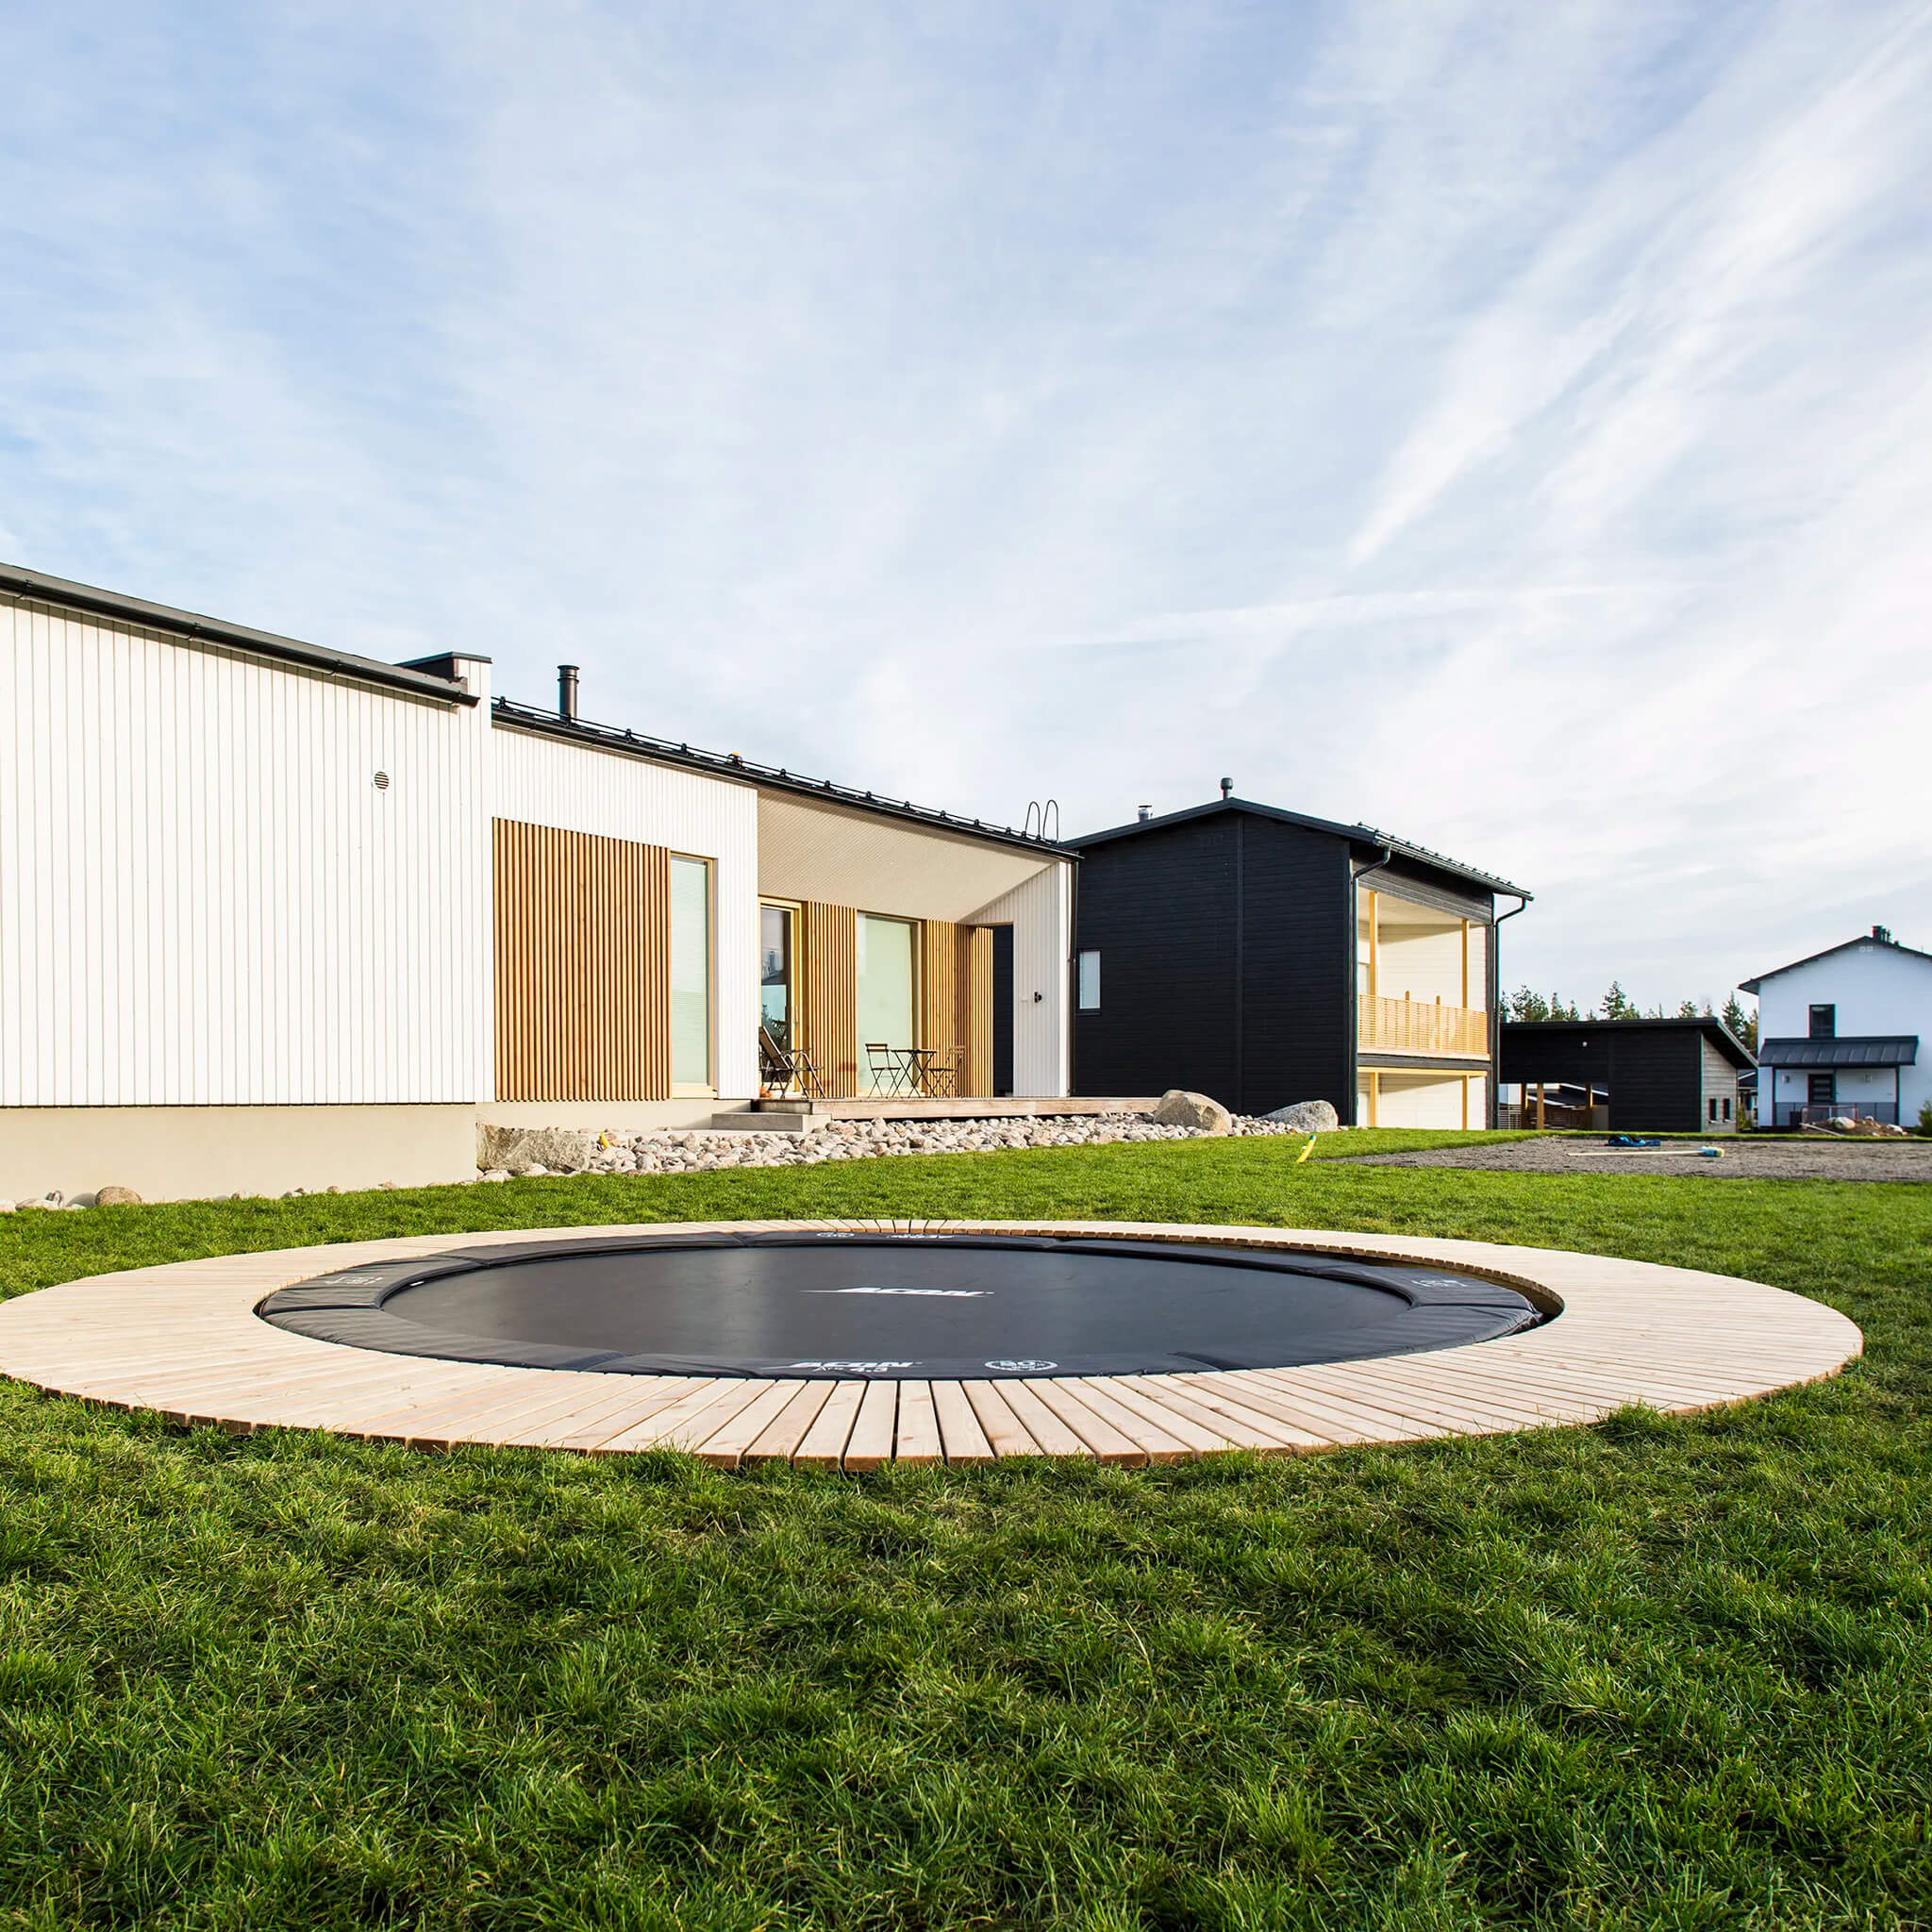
<point>1090,982</point>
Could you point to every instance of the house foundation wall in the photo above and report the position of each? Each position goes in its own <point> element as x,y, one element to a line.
<point>195,1152</point>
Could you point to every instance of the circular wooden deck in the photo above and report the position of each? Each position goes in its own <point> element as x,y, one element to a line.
<point>184,1341</point>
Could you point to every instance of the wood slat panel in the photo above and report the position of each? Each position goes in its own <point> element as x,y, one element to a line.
<point>583,966</point>
<point>972,988</point>
<point>829,996</point>
<point>938,963</point>
<point>1389,1026</point>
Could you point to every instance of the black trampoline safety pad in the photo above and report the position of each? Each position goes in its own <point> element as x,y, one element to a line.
<point>944,1305</point>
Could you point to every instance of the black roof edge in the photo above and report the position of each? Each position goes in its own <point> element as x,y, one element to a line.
<point>664,751</point>
<point>36,587</point>
<point>1864,939</point>
<point>1709,1023</point>
<point>1359,834</point>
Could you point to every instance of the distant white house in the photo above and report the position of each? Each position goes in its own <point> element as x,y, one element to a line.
<point>1837,1033</point>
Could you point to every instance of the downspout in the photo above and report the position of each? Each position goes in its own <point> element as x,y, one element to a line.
<point>1071,977</point>
<point>1496,1001</point>
<point>1355,1002</point>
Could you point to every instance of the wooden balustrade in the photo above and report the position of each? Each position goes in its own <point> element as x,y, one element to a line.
<point>1422,1026</point>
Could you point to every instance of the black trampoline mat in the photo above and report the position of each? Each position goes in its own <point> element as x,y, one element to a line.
<point>948,1307</point>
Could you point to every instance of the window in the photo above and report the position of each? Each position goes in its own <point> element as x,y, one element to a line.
<point>1090,982</point>
<point>887,977</point>
<point>1713,1108</point>
<point>690,974</point>
<point>1727,1109</point>
<point>1823,1023</point>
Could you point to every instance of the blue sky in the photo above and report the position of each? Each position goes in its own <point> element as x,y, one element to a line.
<point>1509,426</point>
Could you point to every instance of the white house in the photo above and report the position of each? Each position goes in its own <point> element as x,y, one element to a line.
<point>273,915</point>
<point>1839,1033</point>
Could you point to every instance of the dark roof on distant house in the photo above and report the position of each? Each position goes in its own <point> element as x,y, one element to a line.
<point>664,751</point>
<point>1708,1024</point>
<point>1848,1050</point>
<point>34,587</point>
<point>1357,834</point>
<point>1864,939</point>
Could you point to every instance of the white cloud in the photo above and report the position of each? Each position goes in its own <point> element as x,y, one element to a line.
<point>1503,424</point>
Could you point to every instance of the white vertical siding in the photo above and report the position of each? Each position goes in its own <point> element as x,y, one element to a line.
<point>204,900</point>
<point>1040,914</point>
<point>579,788</point>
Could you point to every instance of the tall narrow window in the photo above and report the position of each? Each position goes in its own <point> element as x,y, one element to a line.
<point>885,991</point>
<point>1823,1023</point>
<point>1090,982</point>
<point>774,973</point>
<point>691,972</point>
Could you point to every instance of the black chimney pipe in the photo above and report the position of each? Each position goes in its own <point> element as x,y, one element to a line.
<point>1228,788</point>
<point>567,692</point>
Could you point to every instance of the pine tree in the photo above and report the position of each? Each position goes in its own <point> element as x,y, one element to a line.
<point>1525,1004</point>
<point>1740,1023</point>
<point>1617,1004</point>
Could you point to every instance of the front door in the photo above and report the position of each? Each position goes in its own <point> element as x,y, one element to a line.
<point>1823,1090</point>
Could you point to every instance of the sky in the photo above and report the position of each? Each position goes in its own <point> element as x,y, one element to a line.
<point>1509,426</point>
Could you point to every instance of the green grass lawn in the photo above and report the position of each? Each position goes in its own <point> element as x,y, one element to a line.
<point>1668,1672</point>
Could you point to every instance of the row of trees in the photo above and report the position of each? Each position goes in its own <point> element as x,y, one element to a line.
<point>1616,1004</point>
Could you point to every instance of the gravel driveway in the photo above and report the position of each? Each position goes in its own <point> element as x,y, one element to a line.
<point>1744,1158</point>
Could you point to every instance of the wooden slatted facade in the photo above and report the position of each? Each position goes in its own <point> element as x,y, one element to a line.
<point>583,966</point>
<point>827,968</point>
<point>939,959</point>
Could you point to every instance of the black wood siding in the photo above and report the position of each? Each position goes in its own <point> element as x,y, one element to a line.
<point>1226,964</point>
<point>1656,1079</point>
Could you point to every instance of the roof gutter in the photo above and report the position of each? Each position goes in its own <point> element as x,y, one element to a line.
<point>32,586</point>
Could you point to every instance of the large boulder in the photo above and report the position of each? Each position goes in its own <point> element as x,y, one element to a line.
<point>560,1150</point>
<point>1195,1110</point>
<point>1308,1116</point>
<point>117,1197</point>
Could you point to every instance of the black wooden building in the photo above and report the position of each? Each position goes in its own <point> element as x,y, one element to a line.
<point>1263,956</point>
<point>1662,1076</point>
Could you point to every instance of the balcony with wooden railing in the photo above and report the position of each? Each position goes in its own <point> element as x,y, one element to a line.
<point>1422,1026</point>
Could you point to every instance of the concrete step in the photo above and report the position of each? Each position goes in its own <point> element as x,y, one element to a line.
<point>763,1122</point>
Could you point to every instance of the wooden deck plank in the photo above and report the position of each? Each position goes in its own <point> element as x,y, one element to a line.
<point>960,1437</point>
<point>1159,1444</point>
<point>782,1435</point>
<point>1001,1426</point>
<point>918,1438</point>
<point>724,1444</point>
<point>690,1420</point>
<point>869,1445</point>
<point>822,1446</point>
<point>1103,1442</point>
<point>1050,1434</point>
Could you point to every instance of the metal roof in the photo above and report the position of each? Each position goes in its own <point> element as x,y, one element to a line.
<point>1719,1034</point>
<point>35,586</point>
<point>1850,1050</point>
<point>1864,939</point>
<point>1358,834</point>
<point>664,751</point>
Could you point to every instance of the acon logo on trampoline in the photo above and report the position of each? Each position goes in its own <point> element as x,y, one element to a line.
<point>1025,1368</point>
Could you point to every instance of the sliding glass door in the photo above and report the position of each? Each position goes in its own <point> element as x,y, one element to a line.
<point>887,993</point>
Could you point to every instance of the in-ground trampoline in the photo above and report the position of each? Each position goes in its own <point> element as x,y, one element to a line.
<point>816,1304</point>
<point>851,1344</point>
